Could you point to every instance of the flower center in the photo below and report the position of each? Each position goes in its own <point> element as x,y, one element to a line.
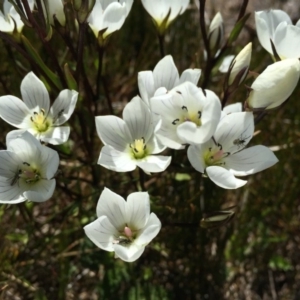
<point>139,148</point>
<point>214,156</point>
<point>40,121</point>
<point>126,237</point>
<point>188,116</point>
<point>28,173</point>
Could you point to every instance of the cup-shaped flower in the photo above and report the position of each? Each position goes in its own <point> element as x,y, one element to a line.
<point>35,114</point>
<point>123,227</point>
<point>216,32</point>
<point>10,20</point>
<point>54,9</point>
<point>130,142</point>
<point>189,115</point>
<point>276,26</point>
<point>240,65</point>
<point>163,12</point>
<point>274,85</point>
<point>27,170</point>
<point>224,157</point>
<point>108,16</point>
<point>165,74</point>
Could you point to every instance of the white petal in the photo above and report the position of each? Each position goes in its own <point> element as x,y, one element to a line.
<point>12,135</point>
<point>224,178</point>
<point>251,160</point>
<point>191,75</point>
<point>154,163</point>
<point>150,231</point>
<point>146,85</point>
<point>41,191</point>
<point>113,131</point>
<point>137,210</point>
<point>115,160</point>
<point>49,162</point>
<point>165,73</point>
<point>114,17</point>
<point>129,254</point>
<point>10,193</point>
<point>34,93</point>
<point>196,157</point>
<point>55,135</point>
<point>224,67</point>
<point>287,41</point>
<point>6,23</point>
<point>102,233</point>
<point>232,108</point>
<point>138,119</point>
<point>235,131</point>
<point>63,106</point>
<point>14,111</point>
<point>113,206</point>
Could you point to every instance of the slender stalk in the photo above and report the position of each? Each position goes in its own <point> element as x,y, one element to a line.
<point>142,179</point>
<point>161,41</point>
<point>99,72</point>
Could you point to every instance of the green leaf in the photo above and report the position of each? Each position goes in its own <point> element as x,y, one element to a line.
<point>237,29</point>
<point>32,52</point>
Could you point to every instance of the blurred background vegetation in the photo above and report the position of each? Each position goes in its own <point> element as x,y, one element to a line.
<point>44,253</point>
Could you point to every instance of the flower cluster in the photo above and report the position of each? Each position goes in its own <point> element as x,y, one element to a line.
<point>171,112</point>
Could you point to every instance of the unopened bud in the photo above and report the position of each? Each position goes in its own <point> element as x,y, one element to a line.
<point>216,32</point>
<point>274,85</point>
<point>217,219</point>
<point>83,9</point>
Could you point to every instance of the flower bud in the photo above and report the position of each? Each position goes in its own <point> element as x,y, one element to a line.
<point>83,9</point>
<point>274,85</point>
<point>240,65</point>
<point>216,32</point>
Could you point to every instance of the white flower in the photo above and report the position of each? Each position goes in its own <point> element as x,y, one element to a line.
<point>35,114</point>
<point>277,26</point>
<point>189,115</point>
<point>27,170</point>
<point>55,8</point>
<point>10,19</point>
<point>274,85</point>
<point>108,16</point>
<point>216,32</point>
<point>163,12</point>
<point>124,227</point>
<point>222,158</point>
<point>165,74</point>
<point>131,142</point>
<point>224,67</point>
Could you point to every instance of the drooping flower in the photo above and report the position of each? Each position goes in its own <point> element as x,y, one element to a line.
<point>224,157</point>
<point>27,170</point>
<point>131,142</point>
<point>165,74</point>
<point>35,114</point>
<point>163,12</point>
<point>108,16</point>
<point>276,26</point>
<point>123,227</point>
<point>189,115</point>
<point>274,85</point>
<point>10,20</point>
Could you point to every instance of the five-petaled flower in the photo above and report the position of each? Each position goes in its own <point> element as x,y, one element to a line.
<point>222,157</point>
<point>189,115</point>
<point>130,142</point>
<point>124,227</point>
<point>27,170</point>
<point>35,114</point>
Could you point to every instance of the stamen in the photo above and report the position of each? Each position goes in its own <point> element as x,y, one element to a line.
<point>175,121</point>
